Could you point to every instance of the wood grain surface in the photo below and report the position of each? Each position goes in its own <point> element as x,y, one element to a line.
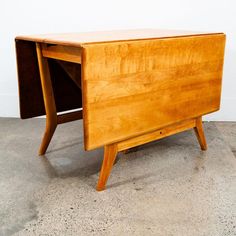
<point>79,39</point>
<point>135,87</point>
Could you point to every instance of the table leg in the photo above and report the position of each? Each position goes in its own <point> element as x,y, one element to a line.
<point>110,152</point>
<point>49,101</point>
<point>200,133</point>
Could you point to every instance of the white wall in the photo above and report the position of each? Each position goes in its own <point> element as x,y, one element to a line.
<point>19,17</point>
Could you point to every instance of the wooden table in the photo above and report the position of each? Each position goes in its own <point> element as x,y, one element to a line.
<point>133,86</point>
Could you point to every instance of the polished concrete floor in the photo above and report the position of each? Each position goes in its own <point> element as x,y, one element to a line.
<point>168,187</point>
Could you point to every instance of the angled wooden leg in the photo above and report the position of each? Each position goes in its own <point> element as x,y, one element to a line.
<point>49,102</point>
<point>200,133</point>
<point>48,133</point>
<point>110,152</point>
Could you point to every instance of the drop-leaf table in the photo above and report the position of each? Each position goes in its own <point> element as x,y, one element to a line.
<point>132,86</point>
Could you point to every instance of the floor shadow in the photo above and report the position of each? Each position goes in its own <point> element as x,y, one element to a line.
<point>141,177</point>
<point>64,147</point>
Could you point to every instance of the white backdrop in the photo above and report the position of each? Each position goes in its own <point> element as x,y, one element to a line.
<point>19,17</point>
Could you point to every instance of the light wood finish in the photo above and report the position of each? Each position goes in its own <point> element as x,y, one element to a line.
<point>137,86</point>
<point>158,134</point>
<point>110,152</point>
<point>49,101</point>
<point>71,54</point>
<point>131,88</point>
<point>200,133</point>
<point>81,39</point>
<point>52,119</point>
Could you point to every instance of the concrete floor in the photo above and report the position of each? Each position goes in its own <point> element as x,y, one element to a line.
<point>168,187</point>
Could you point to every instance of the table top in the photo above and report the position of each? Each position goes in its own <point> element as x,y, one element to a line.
<point>79,39</point>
